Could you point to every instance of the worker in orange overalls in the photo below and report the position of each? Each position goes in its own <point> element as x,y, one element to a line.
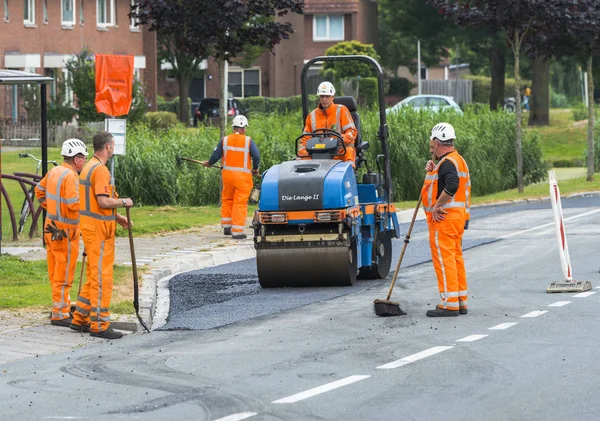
<point>58,194</point>
<point>446,197</point>
<point>98,228</point>
<point>240,158</point>
<point>332,116</point>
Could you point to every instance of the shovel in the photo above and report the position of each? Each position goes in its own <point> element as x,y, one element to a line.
<point>136,301</point>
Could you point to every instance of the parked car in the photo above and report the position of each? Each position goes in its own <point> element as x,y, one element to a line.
<point>209,107</point>
<point>430,102</point>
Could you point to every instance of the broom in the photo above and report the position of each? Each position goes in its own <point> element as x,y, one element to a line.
<point>386,308</point>
<point>179,159</point>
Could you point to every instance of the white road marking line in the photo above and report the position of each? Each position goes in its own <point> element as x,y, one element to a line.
<point>597,288</point>
<point>415,357</point>
<point>503,326</point>
<point>514,234</point>
<point>535,313</point>
<point>321,389</point>
<point>471,338</point>
<point>584,294</point>
<point>559,303</point>
<point>238,417</point>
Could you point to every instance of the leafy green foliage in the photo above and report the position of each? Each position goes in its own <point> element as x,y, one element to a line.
<point>482,86</point>
<point>150,175</point>
<point>279,105</point>
<point>400,86</point>
<point>367,90</point>
<point>347,69</point>
<point>161,120</point>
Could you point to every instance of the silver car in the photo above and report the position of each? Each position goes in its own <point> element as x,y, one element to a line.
<point>429,102</point>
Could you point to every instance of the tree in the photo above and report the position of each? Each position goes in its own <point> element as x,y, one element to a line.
<point>219,29</point>
<point>517,18</point>
<point>183,66</point>
<point>347,69</point>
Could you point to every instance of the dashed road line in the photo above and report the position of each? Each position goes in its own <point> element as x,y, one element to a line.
<point>471,338</point>
<point>584,294</point>
<point>321,389</point>
<point>535,313</point>
<point>238,417</point>
<point>559,303</point>
<point>503,326</point>
<point>415,357</point>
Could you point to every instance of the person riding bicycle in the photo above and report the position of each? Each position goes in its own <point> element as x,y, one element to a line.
<point>331,116</point>
<point>58,194</point>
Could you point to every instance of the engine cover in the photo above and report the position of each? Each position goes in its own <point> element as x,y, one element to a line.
<point>308,185</point>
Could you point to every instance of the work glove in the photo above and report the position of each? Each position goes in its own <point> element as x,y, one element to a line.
<point>56,233</point>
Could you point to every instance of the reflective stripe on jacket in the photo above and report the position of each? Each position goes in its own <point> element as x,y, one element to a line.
<point>58,193</point>
<point>461,201</point>
<point>93,174</point>
<point>236,153</point>
<point>337,118</point>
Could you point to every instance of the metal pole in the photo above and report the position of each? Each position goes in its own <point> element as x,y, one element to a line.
<point>44,130</point>
<point>419,64</point>
<point>585,89</point>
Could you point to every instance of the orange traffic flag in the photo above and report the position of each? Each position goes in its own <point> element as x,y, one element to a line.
<point>114,84</point>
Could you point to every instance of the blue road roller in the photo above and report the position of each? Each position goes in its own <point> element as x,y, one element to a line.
<point>316,224</point>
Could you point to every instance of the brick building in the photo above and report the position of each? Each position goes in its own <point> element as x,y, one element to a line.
<point>324,24</point>
<point>41,35</point>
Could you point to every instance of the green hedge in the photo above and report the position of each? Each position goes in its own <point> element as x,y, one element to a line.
<point>170,106</point>
<point>160,120</point>
<point>282,105</point>
<point>150,175</point>
<point>482,87</point>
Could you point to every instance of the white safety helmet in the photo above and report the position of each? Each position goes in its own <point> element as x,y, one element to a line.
<point>326,88</point>
<point>239,121</point>
<point>444,132</point>
<point>72,147</point>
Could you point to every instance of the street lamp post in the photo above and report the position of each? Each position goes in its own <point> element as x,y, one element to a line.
<point>419,65</point>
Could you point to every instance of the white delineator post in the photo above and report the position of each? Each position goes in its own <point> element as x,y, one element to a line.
<point>559,223</point>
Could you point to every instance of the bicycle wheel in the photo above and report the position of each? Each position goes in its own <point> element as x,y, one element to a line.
<point>25,211</point>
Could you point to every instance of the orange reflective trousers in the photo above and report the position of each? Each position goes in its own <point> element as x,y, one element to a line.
<point>445,241</point>
<point>62,261</point>
<point>234,197</point>
<point>98,228</point>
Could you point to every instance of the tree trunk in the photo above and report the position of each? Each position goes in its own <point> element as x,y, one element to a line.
<point>184,90</point>
<point>591,153</point>
<point>222,101</point>
<point>539,102</point>
<point>498,71</point>
<point>516,46</point>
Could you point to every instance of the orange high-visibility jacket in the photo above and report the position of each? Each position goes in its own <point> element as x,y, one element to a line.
<point>336,117</point>
<point>58,193</point>
<point>461,202</point>
<point>95,176</point>
<point>236,153</point>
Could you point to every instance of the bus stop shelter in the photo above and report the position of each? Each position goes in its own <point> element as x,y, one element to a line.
<point>18,77</point>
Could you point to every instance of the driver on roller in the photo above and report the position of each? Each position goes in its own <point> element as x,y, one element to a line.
<point>331,116</point>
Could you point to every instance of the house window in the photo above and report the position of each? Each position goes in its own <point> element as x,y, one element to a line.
<point>105,13</point>
<point>244,83</point>
<point>328,28</point>
<point>423,73</point>
<point>5,10</point>
<point>68,12</point>
<point>29,12</point>
<point>134,23</point>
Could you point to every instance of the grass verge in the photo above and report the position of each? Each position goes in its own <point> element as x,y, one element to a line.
<point>25,284</point>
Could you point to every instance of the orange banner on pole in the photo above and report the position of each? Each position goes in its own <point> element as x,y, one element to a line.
<point>114,84</point>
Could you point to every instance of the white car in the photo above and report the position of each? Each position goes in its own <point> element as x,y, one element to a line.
<point>429,102</point>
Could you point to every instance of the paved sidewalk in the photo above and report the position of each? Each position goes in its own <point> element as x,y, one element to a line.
<point>159,258</point>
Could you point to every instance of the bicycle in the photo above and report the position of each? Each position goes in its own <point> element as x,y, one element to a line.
<point>25,209</point>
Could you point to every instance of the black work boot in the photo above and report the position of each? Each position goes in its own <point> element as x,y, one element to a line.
<point>462,310</point>
<point>107,334</point>
<point>62,322</point>
<point>226,231</point>
<point>80,328</point>
<point>442,312</point>
<point>240,236</point>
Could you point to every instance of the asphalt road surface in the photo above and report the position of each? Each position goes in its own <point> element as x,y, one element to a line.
<point>230,351</point>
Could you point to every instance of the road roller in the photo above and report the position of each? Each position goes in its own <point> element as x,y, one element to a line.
<point>316,223</point>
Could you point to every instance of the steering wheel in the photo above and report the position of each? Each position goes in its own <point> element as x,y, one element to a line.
<point>322,133</point>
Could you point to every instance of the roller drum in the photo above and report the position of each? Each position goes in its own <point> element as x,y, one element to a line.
<point>307,267</point>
